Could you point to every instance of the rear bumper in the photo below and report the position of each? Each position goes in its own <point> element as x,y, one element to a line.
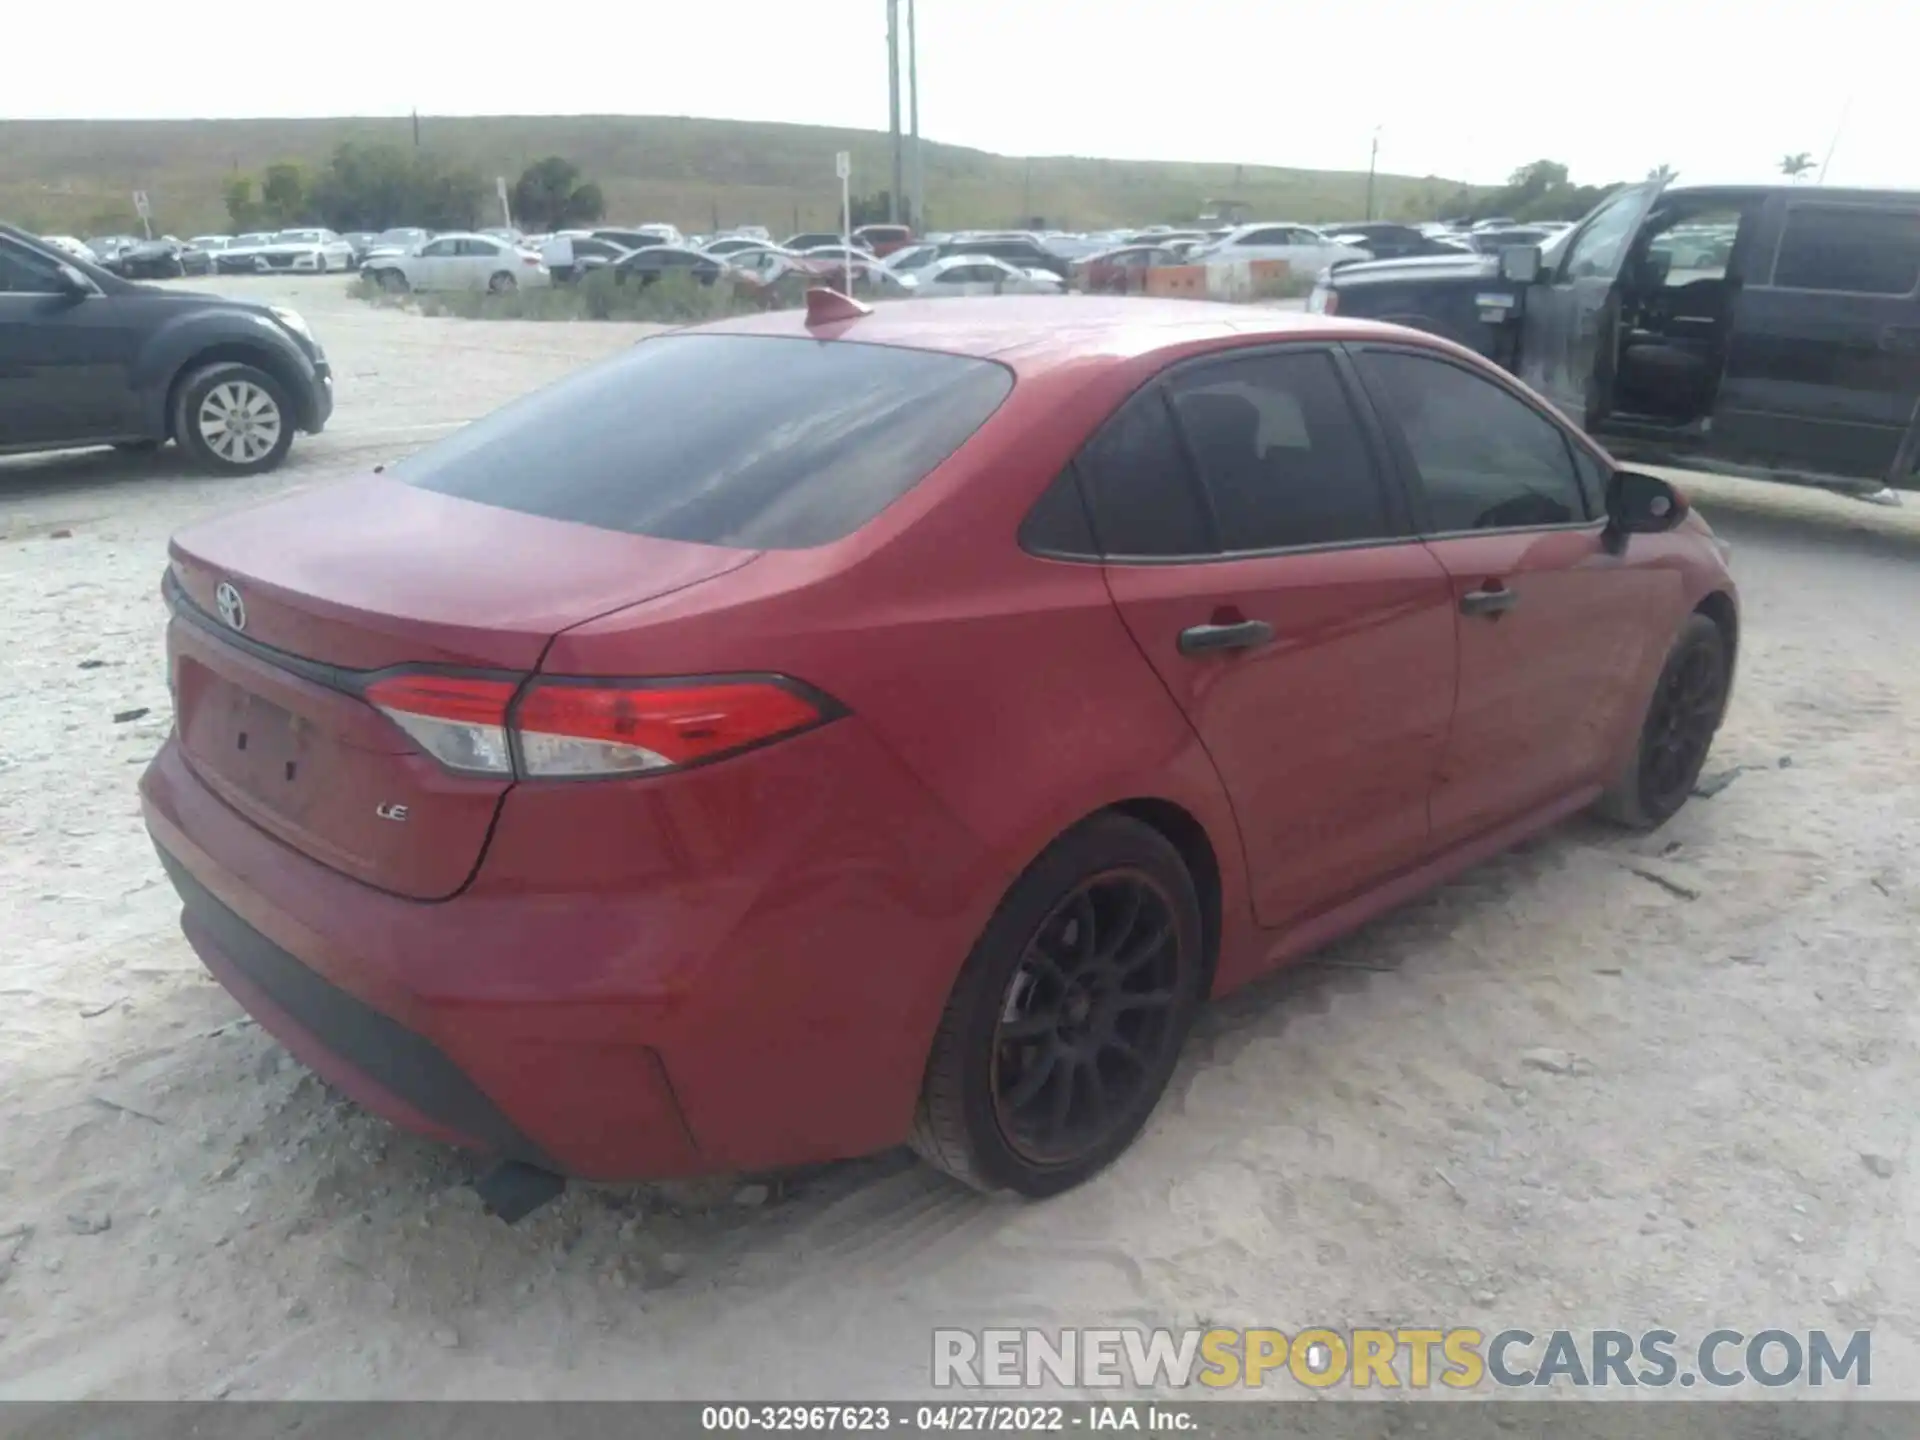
<point>699,989</point>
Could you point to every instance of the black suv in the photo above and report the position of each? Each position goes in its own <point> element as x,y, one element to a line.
<point>1771,331</point>
<point>87,358</point>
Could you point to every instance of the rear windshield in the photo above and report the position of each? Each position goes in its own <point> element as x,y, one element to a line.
<point>753,441</point>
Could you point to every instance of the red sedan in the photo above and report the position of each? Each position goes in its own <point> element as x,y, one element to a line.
<point>816,731</point>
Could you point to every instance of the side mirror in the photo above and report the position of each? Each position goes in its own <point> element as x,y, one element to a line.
<point>73,284</point>
<point>1640,504</point>
<point>1520,264</point>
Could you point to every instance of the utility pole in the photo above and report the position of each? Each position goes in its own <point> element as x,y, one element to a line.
<point>1834,143</point>
<point>893,94</point>
<point>416,129</point>
<point>1373,162</point>
<point>917,188</point>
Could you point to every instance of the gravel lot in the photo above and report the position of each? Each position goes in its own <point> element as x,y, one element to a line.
<point>1603,1081</point>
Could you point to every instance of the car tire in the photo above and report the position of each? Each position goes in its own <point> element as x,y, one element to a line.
<point>1066,981</point>
<point>210,399</point>
<point>1682,716</point>
<point>501,283</point>
<point>392,281</point>
<point>321,267</point>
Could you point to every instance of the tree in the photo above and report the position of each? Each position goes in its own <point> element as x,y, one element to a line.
<point>376,187</point>
<point>549,194</point>
<point>283,193</point>
<point>237,194</point>
<point>1796,166</point>
<point>1540,191</point>
<point>1662,173</point>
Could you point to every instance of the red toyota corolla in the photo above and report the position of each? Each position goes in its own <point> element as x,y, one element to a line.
<point>812,732</point>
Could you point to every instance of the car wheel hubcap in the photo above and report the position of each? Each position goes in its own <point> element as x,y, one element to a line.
<point>1686,710</point>
<point>239,421</point>
<point>1087,1017</point>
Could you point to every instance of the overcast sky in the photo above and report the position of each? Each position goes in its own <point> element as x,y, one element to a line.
<point>1462,88</point>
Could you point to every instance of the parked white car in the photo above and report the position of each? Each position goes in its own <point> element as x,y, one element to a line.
<point>975,275</point>
<point>312,252</point>
<point>1301,246</point>
<point>459,262</point>
<point>73,246</point>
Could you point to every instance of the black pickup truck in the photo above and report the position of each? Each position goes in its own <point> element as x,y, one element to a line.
<point>1769,331</point>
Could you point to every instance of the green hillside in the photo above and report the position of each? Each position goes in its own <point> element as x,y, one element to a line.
<point>78,176</point>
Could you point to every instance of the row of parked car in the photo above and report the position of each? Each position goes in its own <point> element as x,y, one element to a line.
<point>891,259</point>
<point>886,259</point>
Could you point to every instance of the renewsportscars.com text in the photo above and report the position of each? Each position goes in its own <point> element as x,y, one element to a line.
<point>1413,1358</point>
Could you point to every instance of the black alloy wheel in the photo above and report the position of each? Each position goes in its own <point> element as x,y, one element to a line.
<point>1086,1016</point>
<point>1683,715</point>
<point>1066,1021</point>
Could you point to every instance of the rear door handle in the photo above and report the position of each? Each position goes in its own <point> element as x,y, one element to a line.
<point>1489,600</point>
<point>1205,639</point>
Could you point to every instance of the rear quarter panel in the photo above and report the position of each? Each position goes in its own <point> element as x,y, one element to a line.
<point>1004,682</point>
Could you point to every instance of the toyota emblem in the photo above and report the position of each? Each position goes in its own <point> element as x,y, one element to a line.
<point>233,609</point>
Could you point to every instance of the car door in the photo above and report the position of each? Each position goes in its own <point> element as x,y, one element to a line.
<point>1553,626</point>
<point>434,268</point>
<point>1262,560</point>
<point>1823,356</point>
<point>477,260</point>
<point>66,359</point>
<point>1570,318</point>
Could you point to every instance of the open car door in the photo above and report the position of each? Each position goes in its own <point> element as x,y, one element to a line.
<point>1571,317</point>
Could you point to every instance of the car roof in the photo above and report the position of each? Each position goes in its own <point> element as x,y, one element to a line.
<point>1039,333</point>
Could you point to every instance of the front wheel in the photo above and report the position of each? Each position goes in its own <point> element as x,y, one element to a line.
<point>233,419</point>
<point>392,281</point>
<point>1068,1018</point>
<point>1682,718</point>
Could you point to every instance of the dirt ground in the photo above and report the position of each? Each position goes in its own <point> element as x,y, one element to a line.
<point>1719,1133</point>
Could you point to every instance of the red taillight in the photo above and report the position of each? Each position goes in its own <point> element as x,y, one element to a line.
<point>575,728</point>
<point>529,259</point>
<point>571,728</point>
<point>459,720</point>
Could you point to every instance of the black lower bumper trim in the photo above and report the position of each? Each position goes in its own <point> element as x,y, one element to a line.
<point>401,1062</point>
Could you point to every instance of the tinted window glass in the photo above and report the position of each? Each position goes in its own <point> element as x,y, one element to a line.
<point>24,273</point>
<point>1485,460</point>
<point>1868,252</point>
<point>1280,452</point>
<point>722,439</point>
<point>1602,245</point>
<point>1593,479</point>
<point>1137,481</point>
<point>1057,524</point>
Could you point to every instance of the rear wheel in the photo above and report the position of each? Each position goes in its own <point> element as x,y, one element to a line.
<point>501,283</point>
<point>1681,720</point>
<point>392,281</point>
<point>1068,1018</point>
<point>233,419</point>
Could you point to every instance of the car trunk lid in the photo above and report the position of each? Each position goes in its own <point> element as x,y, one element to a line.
<point>282,612</point>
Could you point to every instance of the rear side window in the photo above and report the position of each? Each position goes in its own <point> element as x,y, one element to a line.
<point>1280,452</point>
<point>745,440</point>
<point>1835,247</point>
<point>1137,481</point>
<point>1485,460</point>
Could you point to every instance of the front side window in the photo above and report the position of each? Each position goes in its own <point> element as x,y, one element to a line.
<point>1601,246</point>
<point>1280,452</point>
<point>441,248</point>
<point>1485,460</point>
<point>1851,249</point>
<point>24,273</point>
<point>743,440</point>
